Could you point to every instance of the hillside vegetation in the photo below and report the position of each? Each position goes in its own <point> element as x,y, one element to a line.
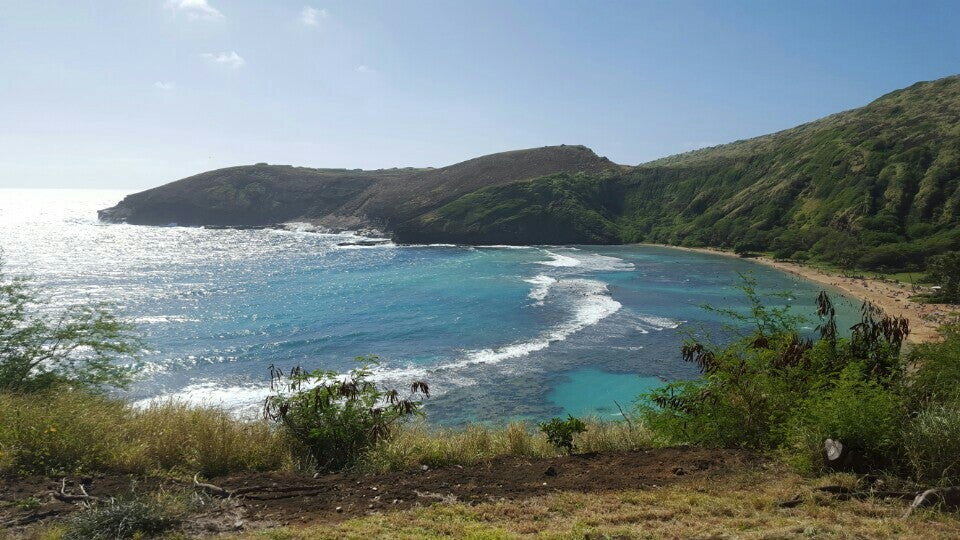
<point>875,187</point>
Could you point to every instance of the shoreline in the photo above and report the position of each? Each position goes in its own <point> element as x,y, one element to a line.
<point>892,297</point>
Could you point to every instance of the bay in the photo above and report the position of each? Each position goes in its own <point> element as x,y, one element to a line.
<point>497,332</point>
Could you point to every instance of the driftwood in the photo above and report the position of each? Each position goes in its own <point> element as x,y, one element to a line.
<point>62,495</point>
<point>210,489</point>
<point>947,498</point>
<point>257,492</point>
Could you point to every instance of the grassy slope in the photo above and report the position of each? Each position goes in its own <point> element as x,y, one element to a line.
<point>877,187</point>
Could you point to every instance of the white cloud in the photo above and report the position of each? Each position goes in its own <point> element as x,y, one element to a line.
<point>364,69</point>
<point>230,59</point>
<point>311,16</point>
<point>166,86</point>
<point>195,10</point>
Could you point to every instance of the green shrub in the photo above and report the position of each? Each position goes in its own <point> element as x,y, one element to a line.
<point>77,347</point>
<point>934,373</point>
<point>863,414</point>
<point>771,388</point>
<point>339,418</point>
<point>931,442</point>
<point>944,269</point>
<point>560,432</point>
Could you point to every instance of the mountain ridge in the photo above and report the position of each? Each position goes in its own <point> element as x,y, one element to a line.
<point>264,194</point>
<point>876,186</point>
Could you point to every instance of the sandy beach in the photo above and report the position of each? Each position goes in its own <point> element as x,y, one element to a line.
<point>892,297</point>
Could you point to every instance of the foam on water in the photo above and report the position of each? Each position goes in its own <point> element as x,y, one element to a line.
<point>588,303</point>
<point>542,288</point>
<point>243,400</point>
<point>559,260</point>
<point>658,323</point>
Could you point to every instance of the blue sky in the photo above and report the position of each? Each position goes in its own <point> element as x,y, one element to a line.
<point>134,93</point>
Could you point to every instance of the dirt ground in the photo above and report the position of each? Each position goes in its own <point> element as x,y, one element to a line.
<point>273,499</point>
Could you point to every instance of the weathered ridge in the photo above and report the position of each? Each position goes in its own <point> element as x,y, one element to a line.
<point>265,194</point>
<point>875,187</point>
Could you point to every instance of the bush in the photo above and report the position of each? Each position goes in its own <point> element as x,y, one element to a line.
<point>560,433</point>
<point>931,442</point>
<point>864,415</point>
<point>339,418</point>
<point>122,518</point>
<point>934,373</point>
<point>771,388</point>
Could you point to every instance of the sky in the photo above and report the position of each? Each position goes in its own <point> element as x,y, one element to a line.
<point>130,94</point>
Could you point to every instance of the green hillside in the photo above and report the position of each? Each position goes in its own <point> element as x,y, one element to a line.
<point>875,187</point>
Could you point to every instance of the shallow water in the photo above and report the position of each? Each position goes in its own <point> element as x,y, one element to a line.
<point>497,332</point>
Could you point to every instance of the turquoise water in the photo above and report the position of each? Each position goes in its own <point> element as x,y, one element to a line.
<point>591,392</point>
<point>497,332</point>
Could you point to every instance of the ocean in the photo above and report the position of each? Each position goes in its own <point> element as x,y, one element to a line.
<point>498,333</point>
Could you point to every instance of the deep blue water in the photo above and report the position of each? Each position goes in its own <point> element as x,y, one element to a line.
<point>498,333</point>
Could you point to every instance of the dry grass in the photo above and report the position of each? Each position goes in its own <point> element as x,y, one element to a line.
<point>742,505</point>
<point>75,432</point>
<point>419,444</point>
<point>67,432</point>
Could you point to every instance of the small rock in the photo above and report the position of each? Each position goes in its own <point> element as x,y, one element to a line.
<point>424,467</point>
<point>339,509</point>
<point>316,475</point>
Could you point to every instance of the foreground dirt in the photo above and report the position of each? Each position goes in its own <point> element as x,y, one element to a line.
<point>661,493</point>
<point>276,498</point>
